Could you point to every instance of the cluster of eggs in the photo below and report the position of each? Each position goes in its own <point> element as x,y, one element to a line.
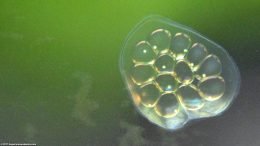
<point>172,72</point>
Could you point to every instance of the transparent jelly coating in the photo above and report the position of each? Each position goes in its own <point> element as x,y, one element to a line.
<point>175,75</point>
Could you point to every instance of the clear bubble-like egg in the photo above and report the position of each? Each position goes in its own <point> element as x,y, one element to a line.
<point>175,75</point>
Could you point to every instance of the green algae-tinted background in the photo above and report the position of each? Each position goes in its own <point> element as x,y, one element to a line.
<point>60,82</point>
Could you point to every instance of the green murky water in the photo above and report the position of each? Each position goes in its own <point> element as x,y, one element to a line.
<point>59,77</point>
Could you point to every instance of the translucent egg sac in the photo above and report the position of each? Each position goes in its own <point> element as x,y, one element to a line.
<point>175,75</point>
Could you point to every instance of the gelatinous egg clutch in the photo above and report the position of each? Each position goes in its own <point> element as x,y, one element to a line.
<point>175,75</point>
